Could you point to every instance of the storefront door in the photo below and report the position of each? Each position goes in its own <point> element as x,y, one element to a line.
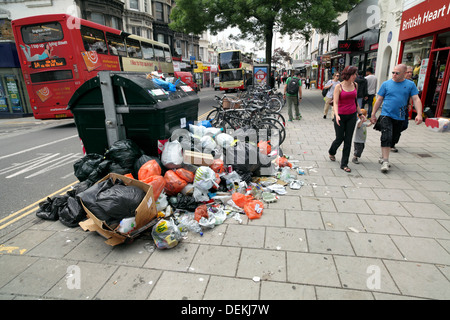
<point>437,91</point>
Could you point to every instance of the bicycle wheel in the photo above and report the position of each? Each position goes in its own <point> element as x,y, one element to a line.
<point>269,131</point>
<point>279,126</point>
<point>214,117</point>
<point>274,104</point>
<point>276,115</point>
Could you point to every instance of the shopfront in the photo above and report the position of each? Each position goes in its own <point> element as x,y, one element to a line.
<point>425,46</point>
<point>14,101</point>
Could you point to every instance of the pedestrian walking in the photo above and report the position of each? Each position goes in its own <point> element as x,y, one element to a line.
<point>362,88</point>
<point>371,90</point>
<point>293,95</point>
<point>394,96</point>
<point>359,140</point>
<point>330,85</point>
<point>346,110</point>
<point>409,74</point>
<point>278,81</point>
<point>307,83</point>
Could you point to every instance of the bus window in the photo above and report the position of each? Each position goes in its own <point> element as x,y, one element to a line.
<point>45,32</point>
<point>159,53</point>
<point>116,45</point>
<point>168,55</point>
<point>134,49</point>
<point>229,60</point>
<point>93,40</point>
<point>147,50</point>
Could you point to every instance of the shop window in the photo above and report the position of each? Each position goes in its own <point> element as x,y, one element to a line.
<point>443,40</point>
<point>416,50</point>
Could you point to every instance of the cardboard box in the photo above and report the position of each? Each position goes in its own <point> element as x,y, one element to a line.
<point>197,158</point>
<point>145,214</point>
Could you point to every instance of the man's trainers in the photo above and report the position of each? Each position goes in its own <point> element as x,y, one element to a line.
<point>355,160</point>
<point>385,167</point>
<point>380,160</point>
<point>298,118</point>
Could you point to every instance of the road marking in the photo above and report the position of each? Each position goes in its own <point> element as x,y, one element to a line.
<point>37,147</point>
<point>203,116</point>
<point>47,161</point>
<point>32,207</point>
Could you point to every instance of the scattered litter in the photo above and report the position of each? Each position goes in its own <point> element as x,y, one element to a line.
<point>296,184</point>
<point>353,229</point>
<point>256,279</point>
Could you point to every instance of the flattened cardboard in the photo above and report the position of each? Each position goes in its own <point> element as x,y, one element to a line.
<point>145,213</point>
<point>197,158</point>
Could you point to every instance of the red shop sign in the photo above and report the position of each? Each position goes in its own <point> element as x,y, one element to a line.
<point>427,17</point>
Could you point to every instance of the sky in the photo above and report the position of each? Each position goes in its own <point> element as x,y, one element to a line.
<point>249,45</point>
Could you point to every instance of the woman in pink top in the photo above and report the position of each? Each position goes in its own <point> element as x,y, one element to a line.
<point>345,108</point>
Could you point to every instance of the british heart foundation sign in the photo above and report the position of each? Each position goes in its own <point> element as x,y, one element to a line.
<point>427,17</point>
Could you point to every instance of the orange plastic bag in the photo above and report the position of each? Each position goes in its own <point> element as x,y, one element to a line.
<point>186,175</point>
<point>283,162</point>
<point>148,169</point>
<point>158,183</point>
<point>217,166</point>
<point>129,175</point>
<point>174,184</point>
<point>201,211</point>
<point>254,209</point>
<point>241,199</point>
<point>265,147</point>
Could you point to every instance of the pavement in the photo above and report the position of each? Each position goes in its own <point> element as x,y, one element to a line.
<point>362,235</point>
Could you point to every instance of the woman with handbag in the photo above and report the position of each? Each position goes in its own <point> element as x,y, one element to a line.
<point>330,85</point>
<point>346,109</point>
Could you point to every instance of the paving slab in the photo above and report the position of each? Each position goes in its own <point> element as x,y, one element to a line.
<point>362,235</point>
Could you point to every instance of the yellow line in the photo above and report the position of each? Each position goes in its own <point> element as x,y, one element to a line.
<point>32,207</point>
<point>203,116</point>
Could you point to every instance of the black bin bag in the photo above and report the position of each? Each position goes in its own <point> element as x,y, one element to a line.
<point>84,167</point>
<point>112,201</point>
<point>124,153</point>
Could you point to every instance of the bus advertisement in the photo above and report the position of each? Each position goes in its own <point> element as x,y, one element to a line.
<point>57,56</point>
<point>233,71</point>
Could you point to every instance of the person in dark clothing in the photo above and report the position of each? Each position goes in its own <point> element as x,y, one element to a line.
<point>362,88</point>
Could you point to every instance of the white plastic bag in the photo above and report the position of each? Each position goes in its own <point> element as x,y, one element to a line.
<point>161,202</point>
<point>208,144</point>
<point>205,178</point>
<point>172,156</point>
<point>166,234</point>
<point>224,140</point>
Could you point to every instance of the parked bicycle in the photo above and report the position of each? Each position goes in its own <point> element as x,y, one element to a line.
<point>248,115</point>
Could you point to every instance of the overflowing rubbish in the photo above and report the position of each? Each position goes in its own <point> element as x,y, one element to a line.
<point>199,181</point>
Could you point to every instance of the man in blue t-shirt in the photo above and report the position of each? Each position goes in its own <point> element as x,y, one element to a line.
<point>394,95</point>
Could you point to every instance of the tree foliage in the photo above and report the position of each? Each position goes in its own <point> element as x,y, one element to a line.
<point>258,20</point>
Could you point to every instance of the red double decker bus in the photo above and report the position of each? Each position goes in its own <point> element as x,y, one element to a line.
<point>59,52</point>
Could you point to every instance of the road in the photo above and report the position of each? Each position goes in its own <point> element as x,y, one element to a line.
<point>36,161</point>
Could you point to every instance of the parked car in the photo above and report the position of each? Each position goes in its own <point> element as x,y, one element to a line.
<point>216,83</point>
<point>187,78</point>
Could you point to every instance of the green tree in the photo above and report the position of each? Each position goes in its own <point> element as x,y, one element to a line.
<point>258,20</point>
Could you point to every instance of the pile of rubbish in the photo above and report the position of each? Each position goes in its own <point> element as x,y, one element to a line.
<point>200,180</point>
